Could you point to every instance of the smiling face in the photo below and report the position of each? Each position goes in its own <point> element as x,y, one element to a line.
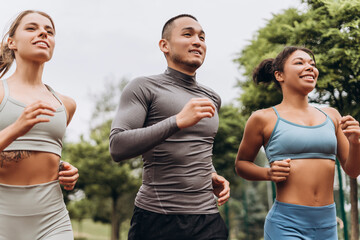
<point>185,49</point>
<point>33,39</point>
<point>299,72</point>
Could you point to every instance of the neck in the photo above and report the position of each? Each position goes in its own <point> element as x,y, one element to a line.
<point>188,71</point>
<point>296,101</point>
<point>28,72</point>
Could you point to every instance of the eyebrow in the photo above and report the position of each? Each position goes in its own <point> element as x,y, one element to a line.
<point>193,29</point>
<point>302,59</point>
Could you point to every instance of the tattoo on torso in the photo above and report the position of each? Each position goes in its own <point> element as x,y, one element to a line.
<point>13,156</point>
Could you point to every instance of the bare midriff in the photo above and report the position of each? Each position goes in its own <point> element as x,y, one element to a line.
<point>310,183</point>
<point>31,168</point>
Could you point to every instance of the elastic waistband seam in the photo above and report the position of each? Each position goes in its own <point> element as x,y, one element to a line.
<point>34,214</point>
<point>302,226</point>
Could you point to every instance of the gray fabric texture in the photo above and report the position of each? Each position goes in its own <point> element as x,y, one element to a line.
<point>177,163</point>
<point>43,137</point>
<point>34,212</point>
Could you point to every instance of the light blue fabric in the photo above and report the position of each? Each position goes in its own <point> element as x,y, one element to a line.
<point>294,141</point>
<point>294,222</point>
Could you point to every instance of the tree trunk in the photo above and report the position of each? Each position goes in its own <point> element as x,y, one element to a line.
<point>354,209</point>
<point>80,226</point>
<point>115,224</point>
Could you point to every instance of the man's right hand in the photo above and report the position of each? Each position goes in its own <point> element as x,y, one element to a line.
<point>195,110</point>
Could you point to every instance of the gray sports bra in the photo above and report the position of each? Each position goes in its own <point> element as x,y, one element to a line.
<point>43,137</point>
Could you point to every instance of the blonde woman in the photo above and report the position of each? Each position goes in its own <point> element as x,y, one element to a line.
<point>33,119</point>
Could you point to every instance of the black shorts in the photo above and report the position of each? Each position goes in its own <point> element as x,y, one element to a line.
<point>146,225</point>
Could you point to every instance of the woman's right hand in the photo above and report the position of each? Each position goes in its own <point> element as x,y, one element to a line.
<point>30,117</point>
<point>279,170</point>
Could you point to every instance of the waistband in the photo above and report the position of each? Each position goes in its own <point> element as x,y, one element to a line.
<point>305,216</point>
<point>30,200</point>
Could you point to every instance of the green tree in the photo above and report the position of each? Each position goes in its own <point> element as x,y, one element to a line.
<point>331,28</point>
<point>110,186</point>
<point>227,139</point>
<point>246,210</point>
<point>79,210</point>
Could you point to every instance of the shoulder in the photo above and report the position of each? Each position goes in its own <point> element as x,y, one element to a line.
<point>262,121</point>
<point>143,82</point>
<point>143,88</point>
<point>262,115</point>
<point>69,104</point>
<point>148,80</point>
<point>333,114</point>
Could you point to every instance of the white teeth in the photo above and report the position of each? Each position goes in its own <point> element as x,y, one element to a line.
<point>309,77</point>
<point>41,43</point>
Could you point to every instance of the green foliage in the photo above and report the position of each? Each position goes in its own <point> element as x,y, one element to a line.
<point>248,203</point>
<point>258,97</point>
<point>267,43</point>
<point>91,230</point>
<point>231,127</point>
<point>110,187</point>
<point>79,210</point>
<point>248,206</point>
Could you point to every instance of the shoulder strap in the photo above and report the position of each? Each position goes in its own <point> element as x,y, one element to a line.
<point>6,94</point>
<point>321,111</point>
<point>53,93</point>
<point>277,114</point>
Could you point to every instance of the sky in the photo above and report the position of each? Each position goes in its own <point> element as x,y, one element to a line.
<point>99,41</point>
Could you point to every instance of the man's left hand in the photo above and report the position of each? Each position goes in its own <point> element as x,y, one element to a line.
<point>221,188</point>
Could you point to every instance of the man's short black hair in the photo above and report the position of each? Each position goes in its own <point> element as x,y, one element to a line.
<point>166,31</point>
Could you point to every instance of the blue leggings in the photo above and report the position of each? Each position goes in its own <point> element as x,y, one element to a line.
<point>296,222</point>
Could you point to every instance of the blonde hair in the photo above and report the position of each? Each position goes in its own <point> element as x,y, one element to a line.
<point>7,55</point>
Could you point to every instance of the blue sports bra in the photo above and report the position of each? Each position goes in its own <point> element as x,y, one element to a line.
<point>44,137</point>
<point>294,141</point>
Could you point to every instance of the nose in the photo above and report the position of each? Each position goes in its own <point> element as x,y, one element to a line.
<point>197,41</point>
<point>43,33</point>
<point>309,67</point>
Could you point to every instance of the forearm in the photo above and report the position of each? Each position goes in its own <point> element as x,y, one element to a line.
<point>125,144</point>
<point>7,136</point>
<point>251,171</point>
<point>352,165</point>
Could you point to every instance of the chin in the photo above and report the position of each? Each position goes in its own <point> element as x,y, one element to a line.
<point>195,64</point>
<point>42,58</point>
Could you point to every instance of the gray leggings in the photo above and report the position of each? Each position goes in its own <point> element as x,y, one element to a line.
<point>35,212</point>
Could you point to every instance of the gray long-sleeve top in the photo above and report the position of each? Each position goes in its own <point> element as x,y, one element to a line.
<point>177,163</point>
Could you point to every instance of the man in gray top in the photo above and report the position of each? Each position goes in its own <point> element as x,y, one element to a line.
<point>172,120</point>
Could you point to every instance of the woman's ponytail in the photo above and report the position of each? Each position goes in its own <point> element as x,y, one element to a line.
<point>7,58</point>
<point>264,72</point>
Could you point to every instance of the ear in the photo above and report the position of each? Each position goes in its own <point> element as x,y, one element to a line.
<point>279,76</point>
<point>11,43</point>
<point>164,46</point>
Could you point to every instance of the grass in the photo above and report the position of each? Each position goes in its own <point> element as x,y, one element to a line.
<point>91,230</point>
